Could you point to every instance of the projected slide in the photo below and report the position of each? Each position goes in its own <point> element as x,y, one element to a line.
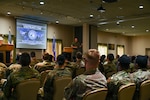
<point>31,35</point>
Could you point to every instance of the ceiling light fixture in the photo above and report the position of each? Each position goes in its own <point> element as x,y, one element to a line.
<point>132,26</point>
<point>91,15</point>
<point>101,9</point>
<point>8,12</point>
<point>41,2</point>
<point>147,30</point>
<point>57,22</point>
<point>141,6</point>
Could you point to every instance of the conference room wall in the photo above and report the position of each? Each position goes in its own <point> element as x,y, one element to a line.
<point>116,39</point>
<point>139,44</point>
<point>134,45</point>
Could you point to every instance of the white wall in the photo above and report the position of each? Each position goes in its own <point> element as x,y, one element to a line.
<point>114,38</point>
<point>5,23</point>
<point>139,43</point>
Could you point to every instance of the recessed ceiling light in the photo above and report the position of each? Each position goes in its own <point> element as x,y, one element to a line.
<point>57,22</point>
<point>117,22</point>
<point>147,30</point>
<point>41,2</point>
<point>141,6</point>
<point>8,12</point>
<point>91,15</point>
<point>132,26</point>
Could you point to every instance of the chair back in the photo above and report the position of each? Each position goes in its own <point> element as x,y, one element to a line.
<point>45,67</point>
<point>98,94</point>
<point>43,76</point>
<point>28,89</point>
<point>126,92</point>
<point>145,90</point>
<point>59,85</point>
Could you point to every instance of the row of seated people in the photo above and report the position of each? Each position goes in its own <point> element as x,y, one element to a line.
<point>15,68</point>
<point>91,79</point>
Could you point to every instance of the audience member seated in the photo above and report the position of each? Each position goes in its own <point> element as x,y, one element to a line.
<point>141,75</point>
<point>101,64</point>
<point>3,69</point>
<point>122,77</point>
<point>34,61</point>
<point>92,78</point>
<point>58,71</point>
<point>109,66</point>
<point>25,72</point>
<point>14,66</point>
<point>80,63</point>
<point>132,64</point>
<point>45,65</point>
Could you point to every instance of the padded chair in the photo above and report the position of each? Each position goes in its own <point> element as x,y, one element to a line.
<point>145,90</point>
<point>43,76</point>
<point>59,85</point>
<point>45,67</point>
<point>28,89</point>
<point>126,92</point>
<point>98,94</point>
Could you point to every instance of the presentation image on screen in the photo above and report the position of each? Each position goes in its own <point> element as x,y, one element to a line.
<point>31,35</point>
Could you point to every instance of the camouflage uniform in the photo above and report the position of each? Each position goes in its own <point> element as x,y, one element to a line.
<point>75,50</point>
<point>121,77</point>
<point>140,76</point>
<point>84,83</point>
<point>42,65</point>
<point>109,69</point>
<point>116,80</point>
<point>48,86</point>
<point>15,78</point>
<point>3,69</point>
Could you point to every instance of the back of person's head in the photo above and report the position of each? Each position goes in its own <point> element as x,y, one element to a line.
<point>133,59</point>
<point>124,62</point>
<point>141,61</point>
<point>79,55</point>
<point>32,54</point>
<point>117,56</point>
<point>65,54</point>
<point>102,58</point>
<point>92,56</point>
<point>60,60</point>
<point>110,57</point>
<point>18,58</point>
<point>51,58</point>
<point>46,56</point>
<point>25,59</point>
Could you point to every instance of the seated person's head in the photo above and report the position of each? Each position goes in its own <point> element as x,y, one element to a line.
<point>124,62</point>
<point>141,61</point>
<point>32,54</point>
<point>110,57</point>
<point>25,59</point>
<point>51,58</point>
<point>79,55</point>
<point>60,60</point>
<point>91,58</point>
<point>46,57</point>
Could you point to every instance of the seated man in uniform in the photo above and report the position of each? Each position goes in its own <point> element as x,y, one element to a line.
<point>25,72</point>
<point>92,78</point>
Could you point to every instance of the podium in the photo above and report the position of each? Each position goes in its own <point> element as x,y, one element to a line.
<point>68,52</point>
<point>5,50</point>
<point>68,49</point>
